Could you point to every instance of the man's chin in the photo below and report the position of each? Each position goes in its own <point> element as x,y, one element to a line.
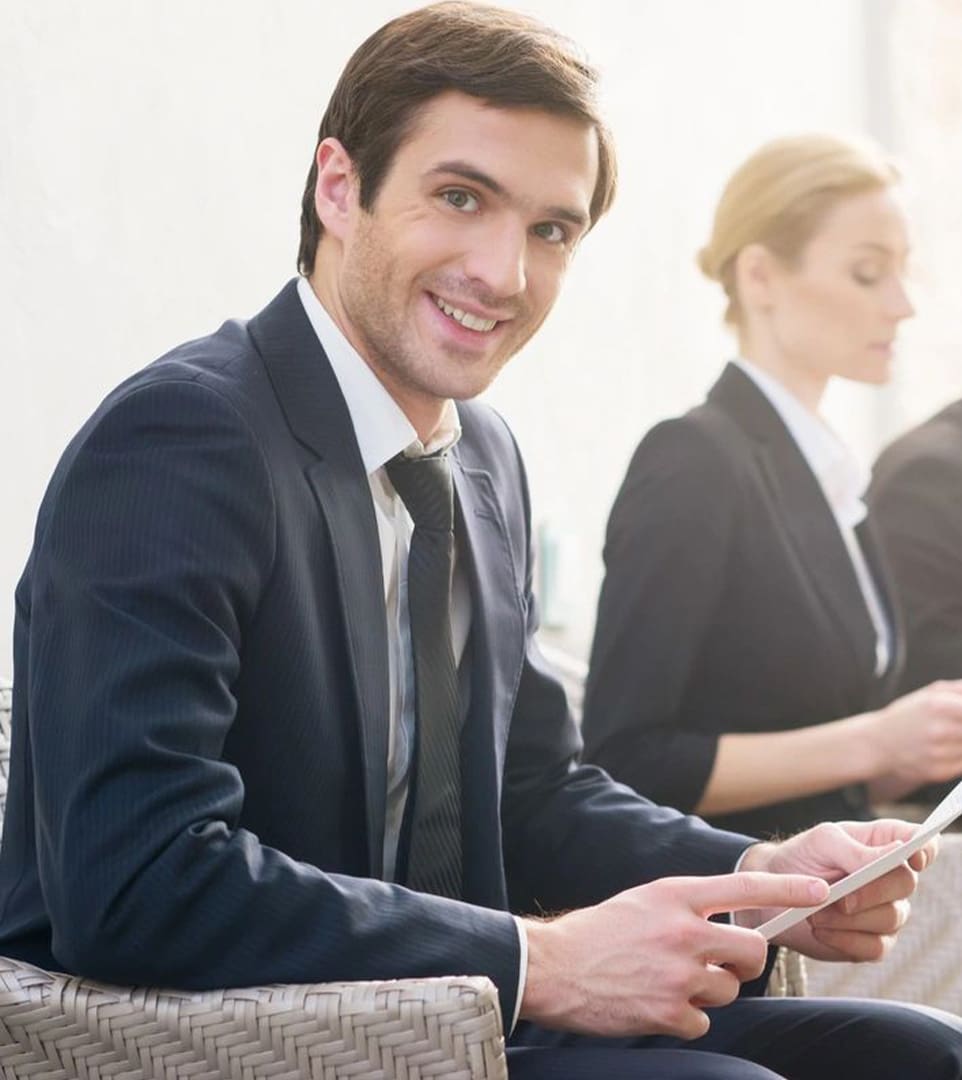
<point>463,385</point>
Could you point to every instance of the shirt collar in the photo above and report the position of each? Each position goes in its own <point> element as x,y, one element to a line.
<point>842,477</point>
<point>380,426</point>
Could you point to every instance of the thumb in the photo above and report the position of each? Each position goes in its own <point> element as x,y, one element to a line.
<point>851,854</point>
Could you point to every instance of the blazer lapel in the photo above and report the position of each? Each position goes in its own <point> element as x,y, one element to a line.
<point>497,610</point>
<point>804,512</point>
<point>312,402</point>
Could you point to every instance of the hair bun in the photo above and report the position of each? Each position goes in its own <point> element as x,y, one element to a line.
<point>706,263</point>
<point>779,195</point>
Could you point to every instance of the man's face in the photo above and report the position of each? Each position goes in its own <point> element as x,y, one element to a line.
<point>464,250</point>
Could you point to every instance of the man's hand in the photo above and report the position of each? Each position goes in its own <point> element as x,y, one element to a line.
<point>864,924</point>
<point>648,961</point>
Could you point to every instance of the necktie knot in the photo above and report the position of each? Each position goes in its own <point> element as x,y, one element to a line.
<point>425,487</point>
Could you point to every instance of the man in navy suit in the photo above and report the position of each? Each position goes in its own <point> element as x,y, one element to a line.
<point>216,739</point>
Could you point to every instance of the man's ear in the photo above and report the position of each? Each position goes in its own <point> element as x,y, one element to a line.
<point>335,192</point>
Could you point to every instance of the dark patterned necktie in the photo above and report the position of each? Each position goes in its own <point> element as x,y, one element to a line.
<point>434,853</point>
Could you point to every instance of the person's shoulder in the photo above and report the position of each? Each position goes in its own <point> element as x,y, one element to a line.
<point>704,439</point>
<point>218,372</point>
<point>197,392</point>
<point>939,435</point>
<point>931,448</point>
<point>223,362</point>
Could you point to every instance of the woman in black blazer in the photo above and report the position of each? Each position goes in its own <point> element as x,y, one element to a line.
<point>746,643</point>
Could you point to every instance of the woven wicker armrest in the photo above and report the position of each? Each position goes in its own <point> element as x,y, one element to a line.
<point>59,1026</point>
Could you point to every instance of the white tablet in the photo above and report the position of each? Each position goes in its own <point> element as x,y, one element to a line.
<point>944,814</point>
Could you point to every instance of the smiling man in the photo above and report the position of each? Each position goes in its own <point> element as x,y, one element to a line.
<point>461,257</point>
<point>279,714</point>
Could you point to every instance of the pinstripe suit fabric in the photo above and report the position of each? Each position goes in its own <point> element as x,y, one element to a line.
<point>200,709</point>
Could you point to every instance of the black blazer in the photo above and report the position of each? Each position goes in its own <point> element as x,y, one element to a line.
<point>200,714</point>
<point>729,605</point>
<point>916,501</point>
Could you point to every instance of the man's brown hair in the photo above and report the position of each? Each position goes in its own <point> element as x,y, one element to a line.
<point>501,57</point>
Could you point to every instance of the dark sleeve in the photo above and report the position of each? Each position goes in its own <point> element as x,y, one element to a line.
<point>572,835</point>
<point>916,506</point>
<point>668,541</point>
<point>153,549</point>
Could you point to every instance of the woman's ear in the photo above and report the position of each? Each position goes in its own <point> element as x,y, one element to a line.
<point>755,271</point>
<point>335,190</point>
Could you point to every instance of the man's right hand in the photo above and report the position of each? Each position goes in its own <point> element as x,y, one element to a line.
<point>648,961</point>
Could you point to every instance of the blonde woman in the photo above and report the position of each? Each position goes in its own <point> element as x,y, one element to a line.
<point>747,645</point>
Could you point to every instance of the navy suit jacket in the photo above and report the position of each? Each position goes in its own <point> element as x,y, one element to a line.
<point>200,719</point>
<point>730,604</point>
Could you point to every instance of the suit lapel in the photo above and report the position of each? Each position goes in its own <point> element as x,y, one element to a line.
<point>312,402</point>
<point>497,613</point>
<point>803,510</point>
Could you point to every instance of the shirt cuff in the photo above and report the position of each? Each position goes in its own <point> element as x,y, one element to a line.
<point>522,970</point>
<point>741,858</point>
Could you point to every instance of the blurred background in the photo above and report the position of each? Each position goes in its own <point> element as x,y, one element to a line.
<point>152,158</point>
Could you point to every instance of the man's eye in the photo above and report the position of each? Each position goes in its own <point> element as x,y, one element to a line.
<point>461,200</point>
<point>551,231</point>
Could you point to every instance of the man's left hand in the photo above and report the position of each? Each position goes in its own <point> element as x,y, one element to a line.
<point>864,924</point>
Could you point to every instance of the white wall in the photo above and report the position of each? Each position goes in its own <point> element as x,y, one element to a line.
<point>151,163</point>
<point>693,86</point>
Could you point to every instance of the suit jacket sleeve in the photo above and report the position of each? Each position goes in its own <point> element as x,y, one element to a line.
<point>916,504</point>
<point>669,534</point>
<point>572,837</point>
<point>153,545</point>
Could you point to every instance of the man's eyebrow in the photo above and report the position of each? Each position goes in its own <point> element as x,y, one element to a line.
<point>476,176</point>
<point>469,172</point>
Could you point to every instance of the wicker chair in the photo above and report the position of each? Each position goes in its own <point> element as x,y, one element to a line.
<point>57,1027</point>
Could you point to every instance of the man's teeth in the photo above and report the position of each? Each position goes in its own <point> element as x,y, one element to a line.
<point>465,318</point>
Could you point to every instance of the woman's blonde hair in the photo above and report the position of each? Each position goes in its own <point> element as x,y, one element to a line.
<point>778,197</point>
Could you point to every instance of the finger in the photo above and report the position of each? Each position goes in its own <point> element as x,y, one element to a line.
<point>742,952</point>
<point>885,834</point>
<point>947,701</point>
<point>897,884</point>
<point>836,849</point>
<point>884,919</point>
<point>881,832</point>
<point>754,889</point>
<point>691,1023</point>
<point>719,987</point>
<point>855,946</point>
<point>925,856</point>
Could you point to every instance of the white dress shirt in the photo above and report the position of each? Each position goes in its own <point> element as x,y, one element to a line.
<point>843,480</point>
<point>383,431</point>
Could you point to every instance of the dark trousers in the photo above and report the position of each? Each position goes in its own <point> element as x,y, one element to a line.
<point>761,1039</point>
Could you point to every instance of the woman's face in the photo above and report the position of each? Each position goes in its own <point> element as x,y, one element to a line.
<point>837,310</point>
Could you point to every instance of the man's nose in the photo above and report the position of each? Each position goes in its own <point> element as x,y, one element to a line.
<point>498,260</point>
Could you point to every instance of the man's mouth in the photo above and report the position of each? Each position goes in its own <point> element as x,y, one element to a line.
<point>465,318</point>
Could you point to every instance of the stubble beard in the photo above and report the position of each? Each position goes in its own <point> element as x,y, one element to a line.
<point>389,344</point>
